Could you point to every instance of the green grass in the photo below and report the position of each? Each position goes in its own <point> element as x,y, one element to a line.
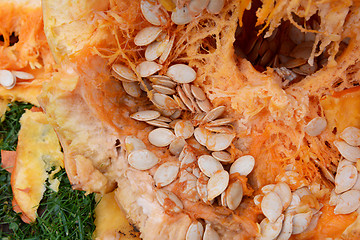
<point>66,214</point>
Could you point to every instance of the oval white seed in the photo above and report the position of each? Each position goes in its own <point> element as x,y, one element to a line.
<point>188,159</point>
<point>7,79</point>
<point>162,89</point>
<point>357,183</point>
<point>161,137</point>
<point>334,198</point>
<point>348,202</point>
<point>243,165</point>
<point>158,123</point>
<point>177,145</point>
<point>295,202</point>
<point>198,93</point>
<point>23,75</point>
<point>167,50</point>
<point>222,156</point>
<point>209,165</point>
<point>345,178</point>
<point>234,195</point>
<point>166,174</point>
<point>195,231</point>
<point>169,201</point>
<point>153,13</point>
<point>201,135</point>
<point>210,233</point>
<point>219,141</point>
<point>257,199</point>
<point>196,6</point>
<point>132,143</point>
<point>215,6</point>
<point>155,49</point>
<point>301,221</point>
<point>217,184</point>
<point>132,88</point>
<point>145,115</point>
<point>214,114</point>
<point>147,36</point>
<point>351,135</point>
<point>188,182</point>
<point>181,73</point>
<point>124,72</point>
<point>347,151</point>
<point>271,206</point>
<point>142,159</point>
<point>204,105</point>
<point>315,126</point>
<point>271,230</point>
<point>148,68</point>
<point>164,102</point>
<point>284,192</point>
<point>184,129</point>
<point>267,188</point>
<point>287,228</point>
<point>220,122</point>
<point>181,16</point>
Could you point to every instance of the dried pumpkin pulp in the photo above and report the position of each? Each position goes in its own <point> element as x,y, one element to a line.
<point>208,117</point>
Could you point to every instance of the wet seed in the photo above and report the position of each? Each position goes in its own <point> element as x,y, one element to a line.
<point>147,36</point>
<point>161,137</point>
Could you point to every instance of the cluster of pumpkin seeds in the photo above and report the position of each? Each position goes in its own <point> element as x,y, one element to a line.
<point>287,212</point>
<point>8,78</point>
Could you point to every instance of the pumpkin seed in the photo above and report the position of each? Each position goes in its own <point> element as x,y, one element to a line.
<point>169,201</point>
<point>153,13</point>
<point>181,16</point>
<point>357,184</point>
<point>155,49</point>
<point>223,200</point>
<point>187,160</point>
<point>124,72</point>
<point>188,183</point>
<point>315,126</point>
<point>220,129</point>
<point>243,165</point>
<point>164,102</point>
<point>296,35</point>
<point>345,178</point>
<point>210,233</point>
<point>176,114</point>
<point>219,141</point>
<point>287,228</point>
<point>201,135</point>
<point>313,222</point>
<point>161,137</point>
<point>209,165</point>
<point>257,199</point>
<point>7,79</point>
<point>214,114</point>
<point>270,230</point>
<point>303,191</point>
<point>163,89</point>
<point>184,129</point>
<point>302,50</point>
<point>267,188</point>
<point>295,202</point>
<point>145,85</point>
<point>196,6</point>
<point>158,123</point>
<point>351,135</point>
<point>222,156</point>
<point>167,112</point>
<point>201,187</point>
<point>234,195</point>
<point>348,202</point>
<point>185,99</point>
<point>301,221</point>
<point>308,69</point>
<point>293,63</point>
<point>215,6</point>
<point>142,159</point>
<point>271,206</point>
<point>147,36</point>
<point>164,119</point>
<point>204,105</point>
<point>220,122</point>
<point>180,102</point>
<point>132,89</point>
<point>195,231</point>
<point>164,56</point>
<point>162,80</point>
<point>217,184</point>
<point>177,145</point>
<point>334,198</point>
<point>132,143</point>
<point>166,174</point>
<point>23,75</point>
<point>145,115</point>
<point>198,93</point>
<point>181,73</point>
<point>347,151</point>
<point>148,68</point>
<point>284,192</point>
